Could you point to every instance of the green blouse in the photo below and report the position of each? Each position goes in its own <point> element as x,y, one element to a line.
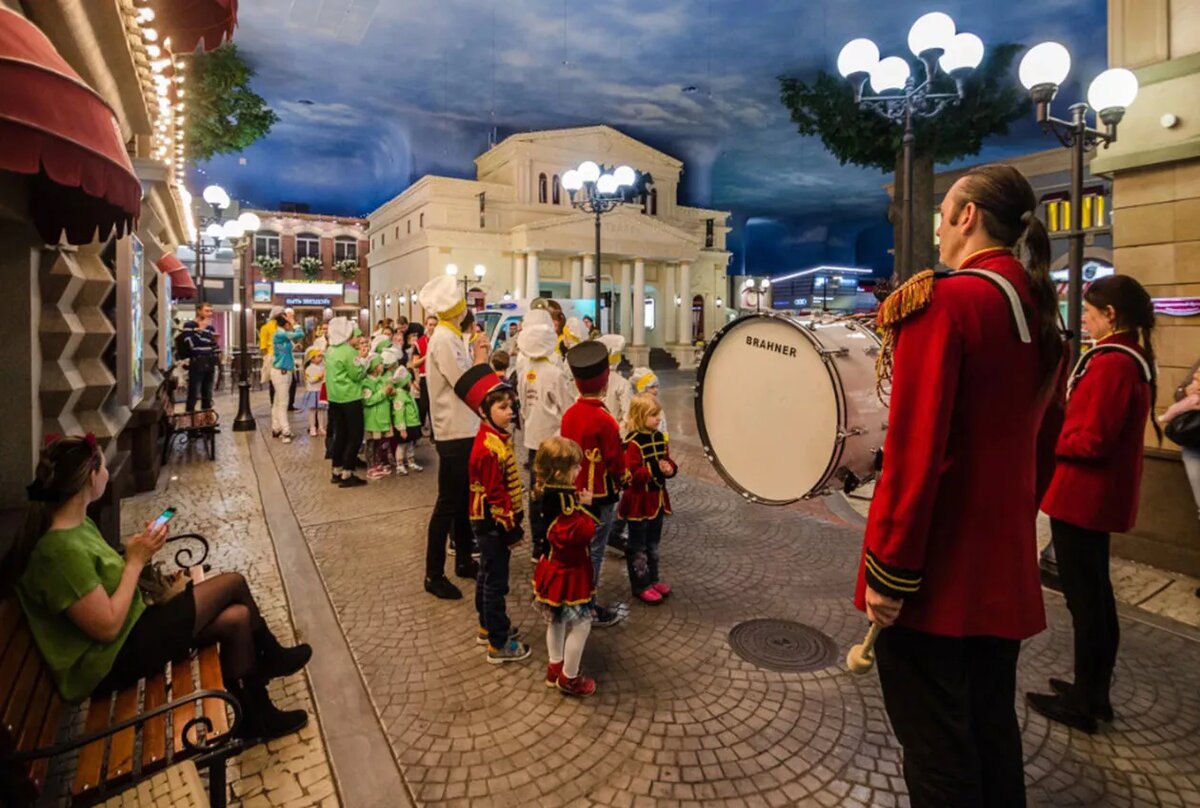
<point>66,565</point>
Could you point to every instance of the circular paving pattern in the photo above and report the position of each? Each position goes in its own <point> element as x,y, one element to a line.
<point>783,646</point>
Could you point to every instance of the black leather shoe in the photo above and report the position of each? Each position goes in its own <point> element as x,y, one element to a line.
<point>1056,709</point>
<point>1063,688</point>
<point>441,587</point>
<point>351,482</point>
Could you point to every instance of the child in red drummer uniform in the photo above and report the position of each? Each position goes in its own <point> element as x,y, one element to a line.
<point>645,503</point>
<point>563,588</point>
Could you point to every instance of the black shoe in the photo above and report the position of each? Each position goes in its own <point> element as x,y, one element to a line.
<point>274,660</point>
<point>293,409</point>
<point>335,479</point>
<point>1056,709</point>
<point>466,569</point>
<point>1063,688</point>
<point>351,482</point>
<point>605,616</point>
<point>441,587</point>
<point>260,718</point>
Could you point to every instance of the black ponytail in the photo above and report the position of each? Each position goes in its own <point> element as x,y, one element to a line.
<point>1134,310</point>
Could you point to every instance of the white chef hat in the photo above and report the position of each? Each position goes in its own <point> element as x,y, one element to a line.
<point>615,344</point>
<point>643,379</point>
<point>340,330</point>
<point>537,317</point>
<point>537,341</point>
<point>574,332</point>
<point>443,297</point>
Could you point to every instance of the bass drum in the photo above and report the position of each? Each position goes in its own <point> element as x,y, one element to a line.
<point>788,409</point>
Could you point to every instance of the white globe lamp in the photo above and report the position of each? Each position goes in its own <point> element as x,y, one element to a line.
<point>215,195</point>
<point>233,229</point>
<point>250,221</point>
<point>625,175</point>
<point>215,230</point>
<point>1045,64</point>
<point>931,32</point>
<point>480,270</point>
<point>1111,93</point>
<point>589,171</point>
<point>451,269</point>
<point>889,74</point>
<point>857,56</point>
<point>965,53</point>
<point>607,184</point>
<point>572,181</point>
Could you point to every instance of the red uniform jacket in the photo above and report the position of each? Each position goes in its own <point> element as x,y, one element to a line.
<point>497,493</point>
<point>951,528</point>
<point>563,577</point>
<point>1099,453</point>
<point>646,497</point>
<point>589,423</point>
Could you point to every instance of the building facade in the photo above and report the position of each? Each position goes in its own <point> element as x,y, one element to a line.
<point>663,265</point>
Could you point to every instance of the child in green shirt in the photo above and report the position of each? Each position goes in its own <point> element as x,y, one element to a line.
<point>406,420</point>
<point>377,416</point>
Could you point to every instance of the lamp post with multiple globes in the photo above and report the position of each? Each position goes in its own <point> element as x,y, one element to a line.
<point>597,191</point>
<point>249,222</point>
<point>901,98</point>
<point>479,271</point>
<point>1042,71</point>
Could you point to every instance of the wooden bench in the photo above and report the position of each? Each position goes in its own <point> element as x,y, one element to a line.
<point>178,713</point>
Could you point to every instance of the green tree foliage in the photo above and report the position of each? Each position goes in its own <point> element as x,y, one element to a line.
<point>224,114</point>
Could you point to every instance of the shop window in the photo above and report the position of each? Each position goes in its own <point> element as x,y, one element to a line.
<point>266,244</point>
<point>308,246</point>
<point>542,188</point>
<point>345,249</point>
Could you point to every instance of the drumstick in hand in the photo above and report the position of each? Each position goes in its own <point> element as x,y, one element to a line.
<point>861,657</point>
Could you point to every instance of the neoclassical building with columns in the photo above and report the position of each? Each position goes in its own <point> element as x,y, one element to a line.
<point>663,264</point>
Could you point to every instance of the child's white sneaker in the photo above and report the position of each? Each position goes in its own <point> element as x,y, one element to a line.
<point>413,466</point>
<point>400,469</point>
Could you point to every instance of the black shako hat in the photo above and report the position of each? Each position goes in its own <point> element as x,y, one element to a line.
<point>475,384</point>
<point>589,365</point>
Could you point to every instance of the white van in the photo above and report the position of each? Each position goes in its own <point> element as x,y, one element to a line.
<point>496,318</point>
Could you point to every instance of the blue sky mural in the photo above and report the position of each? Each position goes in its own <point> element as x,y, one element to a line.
<point>374,94</point>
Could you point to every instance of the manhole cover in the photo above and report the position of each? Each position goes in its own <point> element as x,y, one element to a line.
<point>782,645</point>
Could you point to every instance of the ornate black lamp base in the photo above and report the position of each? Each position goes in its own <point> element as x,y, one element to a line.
<point>244,422</point>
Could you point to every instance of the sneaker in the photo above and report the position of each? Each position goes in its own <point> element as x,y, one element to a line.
<point>512,651</point>
<point>351,482</point>
<point>441,587</point>
<point>312,431</point>
<point>579,686</point>
<point>553,674</point>
<point>649,595</point>
<point>481,637</point>
<point>401,470</point>
<point>286,438</point>
<point>605,616</point>
<point>414,466</point>
<point>375,473</point>
<point>663,589</point>
<point>468,569</point>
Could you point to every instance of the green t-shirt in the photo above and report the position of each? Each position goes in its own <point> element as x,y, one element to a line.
<point>65,566</point>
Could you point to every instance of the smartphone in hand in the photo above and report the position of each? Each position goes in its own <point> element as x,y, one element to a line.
<point>163,518</point>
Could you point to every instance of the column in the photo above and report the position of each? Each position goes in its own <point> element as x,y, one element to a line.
<point>639,302</point>
<point>519,276</point>
<point>669,312</point>
<point>588,289</point>
<point>576,277</point>
<point>685,308</point>
<point>533,281</point>
<point>626,318</point>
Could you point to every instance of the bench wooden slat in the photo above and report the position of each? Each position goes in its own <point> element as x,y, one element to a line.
<point>18,699</point>
<point>120,755</point>
<point>91,757</point>
<point>211,679</point>
<point>181,685</point>
<point>49,731</point>
<point>154,731</point>
<point>10,670</point>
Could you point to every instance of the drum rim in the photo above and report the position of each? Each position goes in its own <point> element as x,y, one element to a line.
<point>839,396</point>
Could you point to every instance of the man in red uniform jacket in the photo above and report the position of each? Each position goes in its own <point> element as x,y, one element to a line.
<point>950,556</point>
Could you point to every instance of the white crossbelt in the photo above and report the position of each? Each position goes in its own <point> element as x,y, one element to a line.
<point>1014,300</point>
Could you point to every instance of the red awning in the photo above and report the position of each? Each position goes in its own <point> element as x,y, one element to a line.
<point>59,129</point>
<point>182,285</point>
<point>191,22</point>
<point>169,263</point>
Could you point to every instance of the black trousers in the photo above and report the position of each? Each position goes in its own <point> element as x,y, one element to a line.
<point>346,424</point>
<point>450,511</point>
<point>491,587</point>
<point>538,528</point>
<point>1083,571</point>
<point>951,703</point>
<point>200,385</point>
<point>423,405</point>
<point>641,554</point>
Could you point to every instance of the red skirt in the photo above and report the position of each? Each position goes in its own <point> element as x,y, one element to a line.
<point>556,584</point>
<point>638,505</point>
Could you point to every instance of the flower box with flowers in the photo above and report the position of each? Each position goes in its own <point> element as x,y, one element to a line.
<point>346,268</point>
<point>270,266</point>
<point>310,267</point>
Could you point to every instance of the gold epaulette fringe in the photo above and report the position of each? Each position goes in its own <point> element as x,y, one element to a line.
<point>909,297</point>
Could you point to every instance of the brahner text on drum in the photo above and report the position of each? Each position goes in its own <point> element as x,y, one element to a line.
<point>755,342</point>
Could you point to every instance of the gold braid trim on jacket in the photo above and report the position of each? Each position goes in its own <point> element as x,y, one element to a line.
<point>908,298</point>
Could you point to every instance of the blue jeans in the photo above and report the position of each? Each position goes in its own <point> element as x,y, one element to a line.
<point>491,587</point>
<point>606,515</point>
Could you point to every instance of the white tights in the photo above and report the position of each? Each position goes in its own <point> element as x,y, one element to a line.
<point>565,644</point>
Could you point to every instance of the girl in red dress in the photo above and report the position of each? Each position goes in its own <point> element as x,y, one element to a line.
<point>645,504</point>
<point>563,587</point>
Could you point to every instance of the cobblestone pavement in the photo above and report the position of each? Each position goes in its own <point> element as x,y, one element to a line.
<point>220,500</point>
<point>679,719</point>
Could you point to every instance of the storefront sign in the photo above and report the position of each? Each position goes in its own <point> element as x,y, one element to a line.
<point>306,300</point>
<point>308,288</point>
<point>262,292</point>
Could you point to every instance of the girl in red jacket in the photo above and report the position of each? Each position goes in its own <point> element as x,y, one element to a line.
<point>1094,491</point>
<point>645,503</point>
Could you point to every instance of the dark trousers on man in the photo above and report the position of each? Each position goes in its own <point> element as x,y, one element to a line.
<point>951,704</point>
<point>200,384</point>
<point>491,587</point>
<point>346,424</point>
<point>641,556</point>
<point>450,511</point>
<point>423,405</point>
<point>1083,572</point>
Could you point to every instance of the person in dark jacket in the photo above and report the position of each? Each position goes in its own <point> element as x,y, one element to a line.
<point>203,353</point>
<point>1094,491</point>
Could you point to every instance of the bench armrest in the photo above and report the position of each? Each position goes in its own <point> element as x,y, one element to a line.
<point>186,556</point>
<point>201,747</point>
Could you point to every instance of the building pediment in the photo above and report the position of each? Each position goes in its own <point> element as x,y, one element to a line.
<point>623,232</point>
<point>601,143</point>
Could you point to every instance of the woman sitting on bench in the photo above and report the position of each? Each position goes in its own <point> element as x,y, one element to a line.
<point>89,620</point>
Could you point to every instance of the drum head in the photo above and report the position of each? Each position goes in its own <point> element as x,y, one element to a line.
<point>767,408</point>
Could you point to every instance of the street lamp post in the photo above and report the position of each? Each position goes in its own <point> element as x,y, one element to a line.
<point>210,226</point>
<point>595,190</point>
<point>479,271</point>
<point>900,99</point>
<point>1042,71</point>
<point>249,222</point>
<point>758,290</point>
